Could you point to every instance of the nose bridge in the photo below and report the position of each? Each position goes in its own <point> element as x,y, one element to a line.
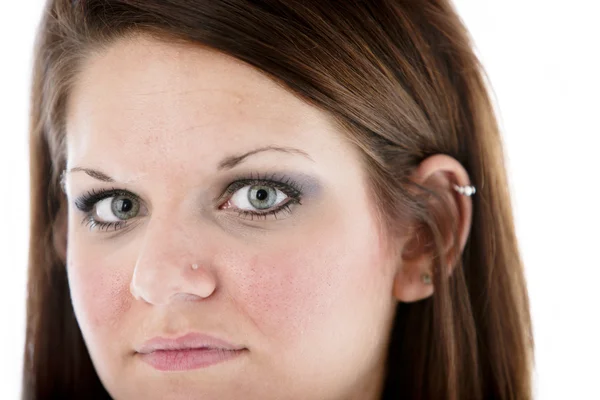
<point>172,261</point>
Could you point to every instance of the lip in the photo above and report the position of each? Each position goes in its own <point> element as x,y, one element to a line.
<point>191,351</point>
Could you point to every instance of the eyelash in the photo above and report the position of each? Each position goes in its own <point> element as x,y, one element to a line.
<point>86,203</point>
<point>289,187</point>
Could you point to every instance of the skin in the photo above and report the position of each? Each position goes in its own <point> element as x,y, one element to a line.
<point>310,295</point>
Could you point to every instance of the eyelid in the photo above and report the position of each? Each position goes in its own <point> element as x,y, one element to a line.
<point>88,201</point>
<point>291,189</point>
<point>288,190</point>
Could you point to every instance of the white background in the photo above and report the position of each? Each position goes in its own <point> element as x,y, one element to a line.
<point>541,57</point>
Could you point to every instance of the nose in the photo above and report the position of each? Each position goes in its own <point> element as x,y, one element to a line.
<point>173,263</point>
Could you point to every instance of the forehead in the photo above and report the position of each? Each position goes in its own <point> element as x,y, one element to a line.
<point>147,96</point>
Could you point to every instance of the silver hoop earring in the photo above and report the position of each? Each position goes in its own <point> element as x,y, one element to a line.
<point>467,190</point>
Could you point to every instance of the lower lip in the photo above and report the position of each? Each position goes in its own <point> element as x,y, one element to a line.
<point>183,360</point>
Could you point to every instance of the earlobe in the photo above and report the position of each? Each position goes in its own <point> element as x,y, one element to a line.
<point>441,174</point>
<point>410,282</point>
<point>415,263</point>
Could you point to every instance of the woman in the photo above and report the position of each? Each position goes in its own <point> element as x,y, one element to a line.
<point>269,200</point>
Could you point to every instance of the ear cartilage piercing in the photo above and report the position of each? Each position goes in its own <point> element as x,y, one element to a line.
<point>467,190</point>
<point>426,278</point>
<point>194,266</point>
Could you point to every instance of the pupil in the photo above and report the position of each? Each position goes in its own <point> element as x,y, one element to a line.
<point>261,194</point>
<point>126,205</point>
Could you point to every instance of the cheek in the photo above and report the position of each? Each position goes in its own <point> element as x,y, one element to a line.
<point>100,292</point>
<point>319,282</point>
<point>287,289</point>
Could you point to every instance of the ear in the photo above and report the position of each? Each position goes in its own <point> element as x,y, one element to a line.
<point>59,231</point>
<point>439,173</point>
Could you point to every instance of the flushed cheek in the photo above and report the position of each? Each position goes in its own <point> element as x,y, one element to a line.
<point>100,294</point>
<point>303,288</point>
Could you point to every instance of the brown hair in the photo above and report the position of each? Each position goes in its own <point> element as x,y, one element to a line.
<point>402,80</point>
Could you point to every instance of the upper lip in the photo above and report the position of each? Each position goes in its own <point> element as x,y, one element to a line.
<point>189,341</point>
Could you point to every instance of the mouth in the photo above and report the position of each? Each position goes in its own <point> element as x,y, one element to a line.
<point>188,352</point>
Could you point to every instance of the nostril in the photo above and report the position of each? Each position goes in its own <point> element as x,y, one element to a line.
<point>187,297</point>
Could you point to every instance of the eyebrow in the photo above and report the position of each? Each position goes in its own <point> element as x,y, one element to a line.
<point>227,163</point>
<point>232,161</point>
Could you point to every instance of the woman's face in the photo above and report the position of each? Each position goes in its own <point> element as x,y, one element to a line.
<point>205,198</point>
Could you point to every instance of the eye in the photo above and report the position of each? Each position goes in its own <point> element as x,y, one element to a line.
<point>257,197</point>
<point>108,209</point>
<point>263,196</point>
<point>116,208</point>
